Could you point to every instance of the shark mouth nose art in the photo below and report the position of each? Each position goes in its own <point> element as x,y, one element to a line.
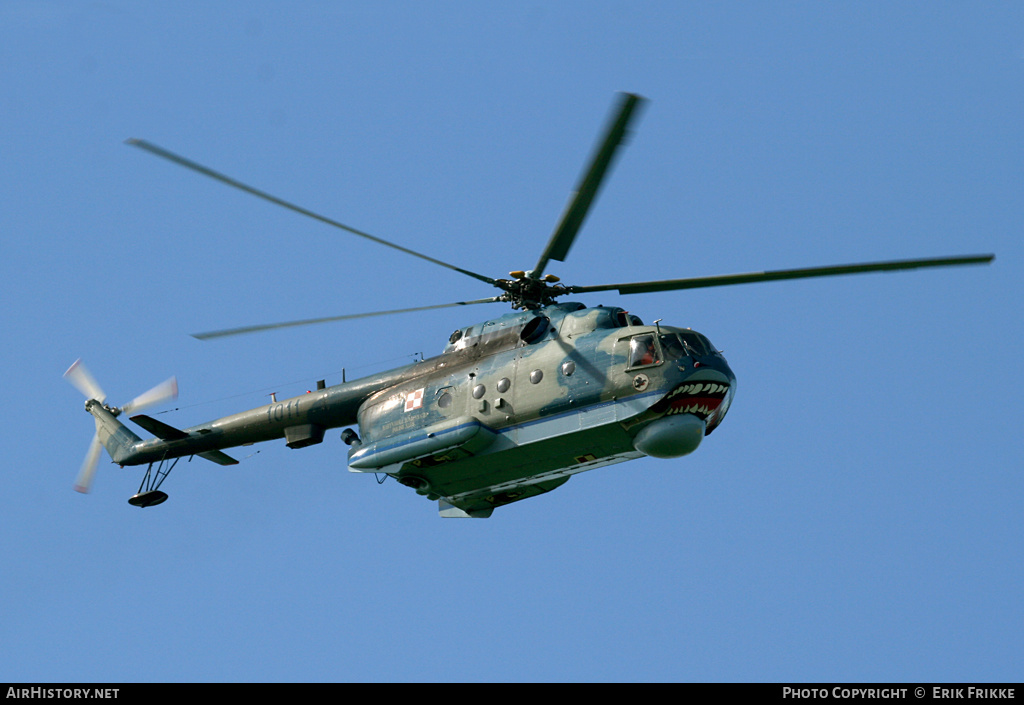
<point>702,399</point>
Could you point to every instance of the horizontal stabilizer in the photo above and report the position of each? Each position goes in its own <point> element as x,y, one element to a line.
<point>170,433</point>
<point>159,428</point>
<point>217,457</point>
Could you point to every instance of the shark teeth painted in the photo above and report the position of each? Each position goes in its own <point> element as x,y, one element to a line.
<point>698,398</point>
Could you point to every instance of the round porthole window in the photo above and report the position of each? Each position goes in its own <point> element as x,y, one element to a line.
<point>503,385</point>
<point>445,400</point>
<point>568,367</point>
<point>536,376</point>
<point>479,390</point>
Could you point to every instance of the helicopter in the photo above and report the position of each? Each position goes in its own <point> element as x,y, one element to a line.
<point>511,408</point>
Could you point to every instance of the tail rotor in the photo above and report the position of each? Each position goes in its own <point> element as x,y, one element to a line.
<point>82,380</point>
<point>83,483</point>
<point>80,377</point>
<point>165,391</point>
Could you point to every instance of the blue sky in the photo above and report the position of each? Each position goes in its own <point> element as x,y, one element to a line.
<point>856,518</point>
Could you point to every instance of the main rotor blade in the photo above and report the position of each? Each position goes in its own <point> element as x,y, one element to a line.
<point>752,277</point>
<point>581,200</point>
<point>329,319</point>
<point>84,382</point>
<point>188,164</point>
<point>165,391</point>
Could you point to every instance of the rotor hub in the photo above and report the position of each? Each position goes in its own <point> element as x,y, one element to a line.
<point>112,410</point>
<point>530,294</point>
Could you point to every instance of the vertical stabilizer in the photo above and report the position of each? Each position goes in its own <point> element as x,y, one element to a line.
<point>117,438</point>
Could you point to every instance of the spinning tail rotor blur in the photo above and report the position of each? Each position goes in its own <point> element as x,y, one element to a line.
<point>82,380</point>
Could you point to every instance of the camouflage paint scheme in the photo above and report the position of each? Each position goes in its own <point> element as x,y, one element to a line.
<point>514,406</point>
<point>511,409</point>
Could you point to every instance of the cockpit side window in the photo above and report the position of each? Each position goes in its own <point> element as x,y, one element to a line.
<point>643,351</point>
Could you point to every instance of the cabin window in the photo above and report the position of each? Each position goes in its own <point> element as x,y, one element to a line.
<point>536,376</point>
<point>445,400</point>
<point>643,351</point>
<point>503,385</point>
<point>568,367</point>
<point>478,391</point>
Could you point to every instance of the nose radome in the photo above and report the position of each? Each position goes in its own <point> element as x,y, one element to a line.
<point>670,436</point>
